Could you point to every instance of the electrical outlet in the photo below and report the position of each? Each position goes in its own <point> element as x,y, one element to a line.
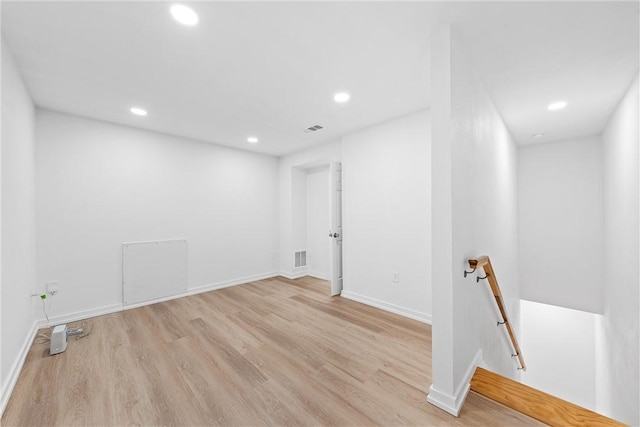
<point>52,287</point>
<point>395,277</point>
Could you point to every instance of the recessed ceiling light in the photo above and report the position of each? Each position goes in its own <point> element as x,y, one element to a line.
<point>252,140</point>
<point>537,135</point>
<point>557,106</point>
<point>341,97</point>
<point>184,14</point>
<point>138,111</point>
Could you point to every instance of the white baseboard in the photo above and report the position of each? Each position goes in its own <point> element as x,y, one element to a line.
<point>205,288</point>
<point>402,311</point>
<point>152,301</point>
<point>229,283</point>
<point>79,315</point>
<point>293,276</point>
<point>317,275</point>
<point>453,403</point>
<point>15,370</point>
<point>444,401</point>
<point>113,308</point>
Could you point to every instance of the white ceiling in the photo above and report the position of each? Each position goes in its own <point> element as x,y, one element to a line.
<point>270,69</point>
<point>531,54</point>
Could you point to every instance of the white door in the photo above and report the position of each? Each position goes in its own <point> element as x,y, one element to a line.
<point>335,172</point>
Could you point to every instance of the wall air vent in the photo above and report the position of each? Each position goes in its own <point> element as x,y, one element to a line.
<point>300,259</point>
<point>313,128</point>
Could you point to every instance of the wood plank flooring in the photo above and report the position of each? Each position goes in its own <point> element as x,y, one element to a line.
<point>272,352</point>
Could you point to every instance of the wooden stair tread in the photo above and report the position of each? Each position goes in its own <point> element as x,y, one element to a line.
<point>535,403</point>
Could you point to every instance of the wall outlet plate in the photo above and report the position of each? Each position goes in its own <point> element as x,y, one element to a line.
<point>52,287</point>
<point>395,277</point>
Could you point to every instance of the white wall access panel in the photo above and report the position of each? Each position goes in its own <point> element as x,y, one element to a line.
<point>153,270</point>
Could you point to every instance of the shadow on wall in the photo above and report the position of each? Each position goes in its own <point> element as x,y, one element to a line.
<point>561,348</point>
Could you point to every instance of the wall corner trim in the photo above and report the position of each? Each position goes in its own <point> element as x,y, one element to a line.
<point>402,311</point>
<point>453,403</point>
<point>14,373</point>
<point>445,401</point>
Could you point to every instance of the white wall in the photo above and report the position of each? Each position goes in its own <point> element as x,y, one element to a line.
<point>474,213</point>
<point>99,185</point>
<point>442,392</point>
<point>292,168</point>
<point>621,259</point>
<point>17,223</point>
<point>559,346</point>
<point>484,216</point>
<point>560,223</point>
<point>318,222</point>
<point>387,213</point>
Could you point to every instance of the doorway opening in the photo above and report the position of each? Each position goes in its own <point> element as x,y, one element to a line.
<point>317,221</point>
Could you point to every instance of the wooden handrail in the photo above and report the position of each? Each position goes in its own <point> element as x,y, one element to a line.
<point>484,263</point>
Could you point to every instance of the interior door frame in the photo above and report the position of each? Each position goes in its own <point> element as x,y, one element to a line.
<point>336,231</point>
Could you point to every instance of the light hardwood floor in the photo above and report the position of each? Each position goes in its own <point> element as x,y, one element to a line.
<point>271,352</point>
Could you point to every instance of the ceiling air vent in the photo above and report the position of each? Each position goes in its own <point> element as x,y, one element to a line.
<point>313,128</point>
